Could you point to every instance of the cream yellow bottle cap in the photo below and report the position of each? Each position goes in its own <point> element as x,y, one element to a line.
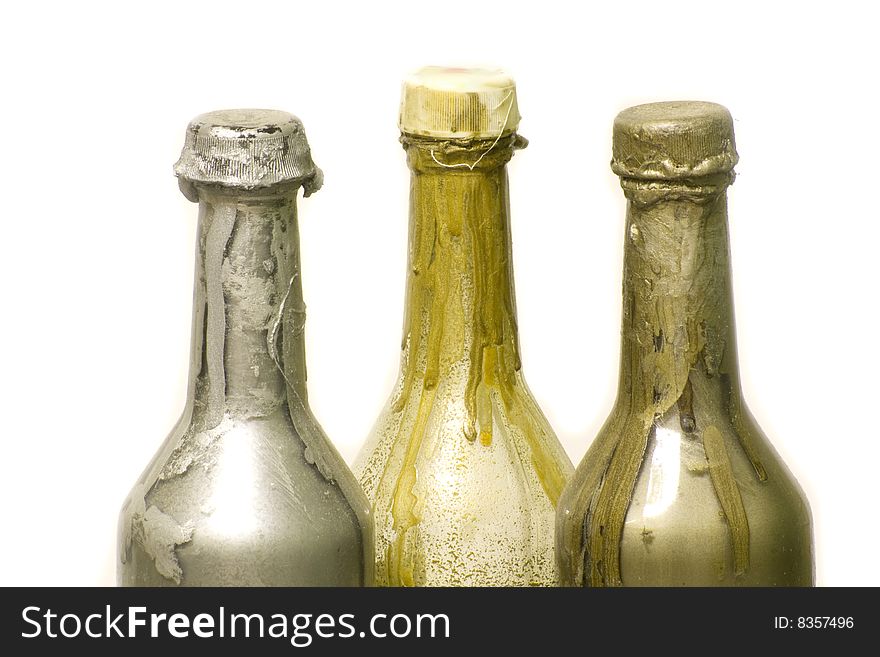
<point>458,103</point>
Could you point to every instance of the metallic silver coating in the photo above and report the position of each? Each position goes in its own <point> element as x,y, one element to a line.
<point>246,490</point>
<point>247,148</point>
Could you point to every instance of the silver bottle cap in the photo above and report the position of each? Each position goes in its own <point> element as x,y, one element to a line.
<point>246,149</point>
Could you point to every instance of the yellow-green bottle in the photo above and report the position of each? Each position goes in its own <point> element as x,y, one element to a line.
<point>463,470</point>
<point>681,487</point>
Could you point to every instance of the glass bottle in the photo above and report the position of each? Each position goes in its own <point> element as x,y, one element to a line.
<point>681,487</point>
<point>246,490</point>
<point>463,470</point>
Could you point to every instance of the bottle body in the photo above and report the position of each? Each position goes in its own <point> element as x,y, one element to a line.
<point>681,487</point>
<point>246,490</point>
<point>462,468</point>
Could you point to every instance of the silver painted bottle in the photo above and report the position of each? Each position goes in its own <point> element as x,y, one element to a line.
<point>246,490</point>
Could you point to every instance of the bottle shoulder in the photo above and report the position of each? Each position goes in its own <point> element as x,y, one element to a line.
<point>431,427</point>
<point>455,507</point>
<point>705,500</point>
<point>247,486</point>
<point>757,464</point>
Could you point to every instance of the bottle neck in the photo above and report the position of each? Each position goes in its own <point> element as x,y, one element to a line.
<point>460,310</point>
<point>677,297</point>
<point>248,311</point>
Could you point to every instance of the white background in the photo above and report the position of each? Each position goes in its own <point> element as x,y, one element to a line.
<point>97,242</point>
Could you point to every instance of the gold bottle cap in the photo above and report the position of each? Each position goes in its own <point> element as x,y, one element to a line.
<point>247,149</point>
<point>673,141</point>
<point>458,103</point>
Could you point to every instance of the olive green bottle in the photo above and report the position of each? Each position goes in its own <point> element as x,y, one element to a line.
<point>246,490</point>
<point>681,487</point>
<point>462,468</point>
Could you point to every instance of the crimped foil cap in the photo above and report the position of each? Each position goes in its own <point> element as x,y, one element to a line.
<point>247,149</point>
<point>458,103</point>
<point>673,141</point>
